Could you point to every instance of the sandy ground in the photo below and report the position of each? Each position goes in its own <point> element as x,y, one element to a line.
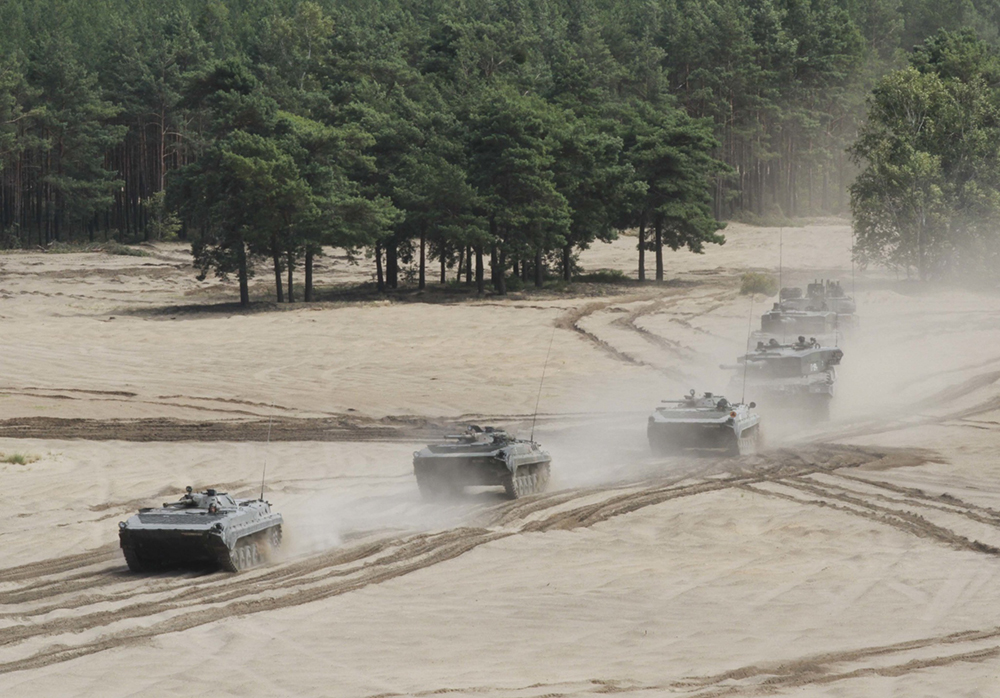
<point>857,557</point>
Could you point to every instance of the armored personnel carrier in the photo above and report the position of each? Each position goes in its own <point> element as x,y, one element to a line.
<point>706,423</point>
<point>801,375</point>
<point>784,320</point>
<point>481,456</point>
<point>202,527</point>
<point>820,297</point>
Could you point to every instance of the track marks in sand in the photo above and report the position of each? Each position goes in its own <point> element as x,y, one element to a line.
<point>886,660</point>
<point>610,314</point>
<point>186,605</point>
<point>52,611</point>
<point>68,563</point>
<point>768,679</point>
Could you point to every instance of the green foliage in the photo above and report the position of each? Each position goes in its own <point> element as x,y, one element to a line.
<point>164,223</point>
<point>758,282</point>
<point>18,458</point>
<point>603,276</point>
<point>109,247</point>
<point>522,130</point>
<point>928,198</point>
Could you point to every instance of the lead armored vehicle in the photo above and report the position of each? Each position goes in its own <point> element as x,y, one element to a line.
<point>801,375</point>
<point>706,423</point>
<point>481,456</point>
<point>207,527</point>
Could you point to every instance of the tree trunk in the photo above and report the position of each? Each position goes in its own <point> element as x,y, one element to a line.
<point>276,256</point>
<point>444,265</point>
<point>422,281</point>
<point>494,277</point>
<point>243,275</point>
<point>642,249</point>
<point>480,274</point>
<point>539,276</point>
<point>493,253</point>
<point>379,278</point>
<point>391,265</point>
<point>468,265</point>
<point>567,258</point>
<point>308,294</point>
<point>501,268</point>
<point>291,268</point>
<point>659,252</point>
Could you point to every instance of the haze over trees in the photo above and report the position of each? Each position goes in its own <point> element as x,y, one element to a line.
<point>481,140</point>
<point>928,198</point>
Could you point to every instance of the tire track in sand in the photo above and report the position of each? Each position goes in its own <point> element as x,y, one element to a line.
<point>126,609</point>
<point>656,303</point>
<point>891,660</point>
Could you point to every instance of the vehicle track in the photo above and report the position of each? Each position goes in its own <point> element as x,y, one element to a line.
<point>655,304</point>
<point>890,660</point>
<point>343,427</point>
<point>829,667</point>
<point>49,604</point>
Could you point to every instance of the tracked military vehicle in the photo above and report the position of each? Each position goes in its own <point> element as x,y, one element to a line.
<point>821,297</point>
<point>708,423</point>
<point>481,456</point>
<point>784,320</point>
<point>207,527</point>
<point>801,375</point>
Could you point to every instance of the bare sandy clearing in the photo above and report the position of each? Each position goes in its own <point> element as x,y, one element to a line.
<point>857,557</point>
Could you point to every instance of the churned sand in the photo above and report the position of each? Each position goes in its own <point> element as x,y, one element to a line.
<point>857,557</point>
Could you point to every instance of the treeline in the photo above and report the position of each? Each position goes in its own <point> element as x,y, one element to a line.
<point>494,137</point>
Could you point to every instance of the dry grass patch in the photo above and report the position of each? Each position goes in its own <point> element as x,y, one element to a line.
<point>18,458</point>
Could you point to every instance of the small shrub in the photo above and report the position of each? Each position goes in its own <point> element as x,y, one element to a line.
<point>514,283</point>
<point>18,458</point>
<point>124,250</point>
<point>109,247</point>
<point>758,282</point>
<point>603,276</point>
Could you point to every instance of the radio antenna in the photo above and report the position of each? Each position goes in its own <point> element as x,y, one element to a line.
<point>746,356</point>
<point>538,399</point>
<point>270,419</point>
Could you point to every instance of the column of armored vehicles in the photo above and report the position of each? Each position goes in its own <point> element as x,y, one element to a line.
<point>792,367</point>
<point>217,529</point>
<point>237,534</point>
